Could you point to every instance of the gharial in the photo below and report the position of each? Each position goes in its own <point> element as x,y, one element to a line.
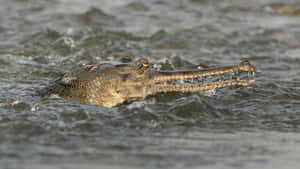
<point>111,84</point>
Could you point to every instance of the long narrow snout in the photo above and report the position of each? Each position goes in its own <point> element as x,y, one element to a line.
<point>166,81</point>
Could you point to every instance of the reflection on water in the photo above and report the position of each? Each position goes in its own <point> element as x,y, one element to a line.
<point>253,127</point>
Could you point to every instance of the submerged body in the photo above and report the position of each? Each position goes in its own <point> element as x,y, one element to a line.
<point>110,84</point>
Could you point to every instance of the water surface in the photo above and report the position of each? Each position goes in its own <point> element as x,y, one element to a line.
<point>253,127</point>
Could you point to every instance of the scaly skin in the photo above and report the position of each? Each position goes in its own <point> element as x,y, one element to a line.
<point>110,84</point>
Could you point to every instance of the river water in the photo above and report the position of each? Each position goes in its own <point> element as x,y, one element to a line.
<point>253,127</point>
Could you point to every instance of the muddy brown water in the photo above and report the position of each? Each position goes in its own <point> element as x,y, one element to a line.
<point>253,127</point>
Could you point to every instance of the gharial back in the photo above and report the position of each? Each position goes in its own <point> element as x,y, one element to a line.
<point>88,84</point>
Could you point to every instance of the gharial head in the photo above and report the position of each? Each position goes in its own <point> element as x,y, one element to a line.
<point>106,84</point>
<point>111,84</point>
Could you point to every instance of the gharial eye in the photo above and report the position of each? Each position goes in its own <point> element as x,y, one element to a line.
<point>118,91</point>
<point>142,65</point>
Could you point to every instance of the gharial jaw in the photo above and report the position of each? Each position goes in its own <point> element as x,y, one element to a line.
<point>165,81</point>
